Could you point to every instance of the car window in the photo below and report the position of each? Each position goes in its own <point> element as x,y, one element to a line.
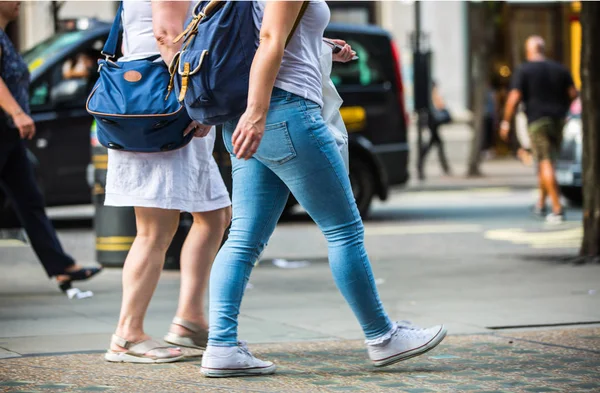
<point>68,83</point>
<point>46,50</point>
<point>365,71</point>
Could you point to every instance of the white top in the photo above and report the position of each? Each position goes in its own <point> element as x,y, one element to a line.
<point>300,71</point>
<point>138,37</point>
<point>187,179</point>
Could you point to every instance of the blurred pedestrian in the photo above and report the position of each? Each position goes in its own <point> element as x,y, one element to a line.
<point>546,88</point>
<point>16,172</point>
<point>159,186</point>
<point>489,125</point>
<point>438,116</point>
<point>281,144</point>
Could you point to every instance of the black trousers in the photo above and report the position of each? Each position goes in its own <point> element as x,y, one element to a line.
<point>18,182</point>
<point>435,140</point>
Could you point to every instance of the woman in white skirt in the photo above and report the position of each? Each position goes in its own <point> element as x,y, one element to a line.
<point>160,186</point>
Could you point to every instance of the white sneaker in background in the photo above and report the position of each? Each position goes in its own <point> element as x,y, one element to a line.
<point>233,362</point>
<point>405,342</point>
<point>554,218</point>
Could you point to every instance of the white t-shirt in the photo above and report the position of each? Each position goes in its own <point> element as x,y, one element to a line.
<point>138,38</point>
<point>300,71</point>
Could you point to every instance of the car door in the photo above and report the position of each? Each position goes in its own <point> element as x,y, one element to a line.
<point>61,145</point>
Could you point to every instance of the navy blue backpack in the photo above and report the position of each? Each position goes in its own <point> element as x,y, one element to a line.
<point>212,70</point>
<point>132,105</point>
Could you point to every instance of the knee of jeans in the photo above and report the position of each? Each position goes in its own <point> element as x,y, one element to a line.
<point>243,248</point>
<point>345,234</point>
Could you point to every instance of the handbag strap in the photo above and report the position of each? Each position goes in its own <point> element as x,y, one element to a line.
<point>110,46</point>
<point>297,22</point>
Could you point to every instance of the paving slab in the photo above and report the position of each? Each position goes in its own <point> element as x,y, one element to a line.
<point>566,360</point>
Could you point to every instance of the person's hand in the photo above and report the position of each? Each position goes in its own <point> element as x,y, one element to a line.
<point>346,54</point>
<point>248,134</point>
<point>504,130</point>
<point>25,125</point>
<point>199,130</point>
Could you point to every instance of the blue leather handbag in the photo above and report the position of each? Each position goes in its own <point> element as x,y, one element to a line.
<point>132,105</point>
<point>212,71</point>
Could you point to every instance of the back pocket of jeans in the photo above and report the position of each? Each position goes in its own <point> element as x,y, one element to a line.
<point>276,146</point>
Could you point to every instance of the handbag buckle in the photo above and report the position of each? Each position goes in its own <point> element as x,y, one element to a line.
<point>106,55</point>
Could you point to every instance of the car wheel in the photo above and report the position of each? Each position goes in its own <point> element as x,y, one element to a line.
<point>363,185</point>
<point>573,194</point>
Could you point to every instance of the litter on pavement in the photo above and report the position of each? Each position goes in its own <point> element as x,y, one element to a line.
<point>285,264</point>
<point>76,293</point>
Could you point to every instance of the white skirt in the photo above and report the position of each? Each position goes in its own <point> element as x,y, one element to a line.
<point>187,179</point>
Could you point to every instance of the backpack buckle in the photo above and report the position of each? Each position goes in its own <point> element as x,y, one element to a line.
<point>184,81</point>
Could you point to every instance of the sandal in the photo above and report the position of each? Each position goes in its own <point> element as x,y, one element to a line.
<point>78,275</point>
<point>138,352</point>
<point>197,340</point>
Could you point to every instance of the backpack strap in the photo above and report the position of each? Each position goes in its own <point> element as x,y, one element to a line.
<point>110,46</point>
<point>297,22</point>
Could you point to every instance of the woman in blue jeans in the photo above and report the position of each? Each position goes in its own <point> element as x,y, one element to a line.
<point>281,144</point>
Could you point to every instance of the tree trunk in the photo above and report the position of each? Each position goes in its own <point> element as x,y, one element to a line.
<point>590,96</point>
<point>481,21</point>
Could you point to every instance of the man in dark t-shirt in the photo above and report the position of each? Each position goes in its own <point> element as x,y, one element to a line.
<point>546,88</point>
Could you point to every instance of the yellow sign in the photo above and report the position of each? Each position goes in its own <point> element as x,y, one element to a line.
<point>355,117</point>
<point>35,64</point>
<point>576,53</point>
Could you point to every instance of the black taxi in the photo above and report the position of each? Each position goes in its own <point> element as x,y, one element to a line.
<point>61,78</point>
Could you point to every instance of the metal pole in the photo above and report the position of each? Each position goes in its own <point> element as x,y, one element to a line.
<point>417,60</point>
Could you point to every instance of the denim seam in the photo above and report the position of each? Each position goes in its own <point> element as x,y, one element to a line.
<point>373,290</point>
<point>246,266</point>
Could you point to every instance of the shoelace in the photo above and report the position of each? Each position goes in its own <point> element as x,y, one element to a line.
<point>408,325</point>
<point>408,329</point>
<point>243,348</point>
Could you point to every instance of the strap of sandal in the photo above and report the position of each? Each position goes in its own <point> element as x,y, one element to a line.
<point>192,327</point>
<point>143,347</point>
<point>120,342</point>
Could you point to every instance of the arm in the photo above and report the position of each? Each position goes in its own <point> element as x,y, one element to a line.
<point>21,119</point>
<point>168,18</point>
<point>436,98</point>
<point>512,100</point>
<point>278,21</point>
<point>571,90</point>
<point>514,97</point>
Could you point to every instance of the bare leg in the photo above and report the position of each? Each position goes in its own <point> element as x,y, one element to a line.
<point>543,192</point>
<point>144,263</point>
<point>549,181</point>
<point>197,255</point>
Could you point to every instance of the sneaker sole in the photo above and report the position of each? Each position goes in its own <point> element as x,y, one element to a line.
<point>224,373</point>
<point>434,342</point>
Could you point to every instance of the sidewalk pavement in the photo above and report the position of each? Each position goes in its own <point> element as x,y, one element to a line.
<point>565,360</point>
<point>497,172</point>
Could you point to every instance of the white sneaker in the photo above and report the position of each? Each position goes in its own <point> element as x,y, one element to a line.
<point>554,218</point>
<point>233,362</point>
<point>406,342</point>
